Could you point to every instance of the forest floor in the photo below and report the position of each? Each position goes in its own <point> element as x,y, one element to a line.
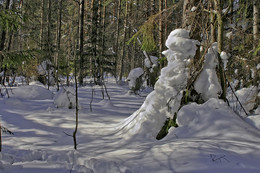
<point>212,139</point>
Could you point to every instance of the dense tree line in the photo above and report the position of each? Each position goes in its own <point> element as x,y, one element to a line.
<point>114,36</point>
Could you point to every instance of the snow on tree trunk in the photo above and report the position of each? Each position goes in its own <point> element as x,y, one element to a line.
<point>165,100</point>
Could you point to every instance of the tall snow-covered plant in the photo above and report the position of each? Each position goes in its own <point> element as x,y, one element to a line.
<point>166,98</point>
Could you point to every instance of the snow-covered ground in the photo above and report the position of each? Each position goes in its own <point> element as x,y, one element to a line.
<point>211,138</point>
<point>118,135</point>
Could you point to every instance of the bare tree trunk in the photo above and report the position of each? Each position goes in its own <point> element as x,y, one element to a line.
<point>117,35</point>
<point>58,38</point>
<point>42,25</point>
<point>212,23</point>
<point>256,22</point>
<point>165,24</point>
<point>77,108</point>
<point>103,39</point>
<point>81,39</point>
<point>124,41</point>
<point>218,7</point>
<point>231,22</point>
<point>49,40</point>
<point>161,29</point>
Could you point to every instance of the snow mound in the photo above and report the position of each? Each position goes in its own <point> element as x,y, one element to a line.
<point>165,100</point>
<point>32,92</point>
<point>66,97</point>
<point>38,83</point>
<point>211,119</point>
<point>106,103</point>
<point>254,121</point>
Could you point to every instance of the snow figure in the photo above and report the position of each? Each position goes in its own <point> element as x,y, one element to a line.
<point>207,83</point>
<point>165,100</point>
<point>135,79</point>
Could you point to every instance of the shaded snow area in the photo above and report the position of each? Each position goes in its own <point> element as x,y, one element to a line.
<point>211,138</point>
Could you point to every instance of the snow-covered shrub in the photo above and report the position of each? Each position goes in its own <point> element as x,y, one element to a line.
<point>66,97</point>
<point>135,79</point>
<point>207,83</point>
<point>165,100</point>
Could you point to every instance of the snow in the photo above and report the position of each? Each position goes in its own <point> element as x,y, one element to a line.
<point>133,75</point>
<point>178,41</point>
<point>224,58</point>
<point>194,8</point>
<point>165,100</point>
<point>66,97</point>
<point>118,135</point>
<point>32,92</point>
<point>258,66</point>
<point>207,83</point>
<point>154,60</point>
<point>211,138</point>
<point>247,97</point>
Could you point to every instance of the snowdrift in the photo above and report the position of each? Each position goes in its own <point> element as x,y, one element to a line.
<point>31,92</point>
<point>213,119</point>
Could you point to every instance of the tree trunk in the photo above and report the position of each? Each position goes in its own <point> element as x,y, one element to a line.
<point>42,25</point>
<point>212,23</point>
<point>49,42</point>
<point>218,7</point>
<point>117,35</point>
<point>124,41</point>
<point>255,23</point>
<point>81,39</point>
<point>103,39</point>
<point>58,38</point>
<point>161,42</point>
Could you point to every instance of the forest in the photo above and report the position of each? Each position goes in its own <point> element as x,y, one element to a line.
<point>129,86</point>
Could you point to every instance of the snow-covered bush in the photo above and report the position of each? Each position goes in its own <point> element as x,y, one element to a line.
<point>66,97</point>
<point>135,79</point>
<point>165,100</point>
